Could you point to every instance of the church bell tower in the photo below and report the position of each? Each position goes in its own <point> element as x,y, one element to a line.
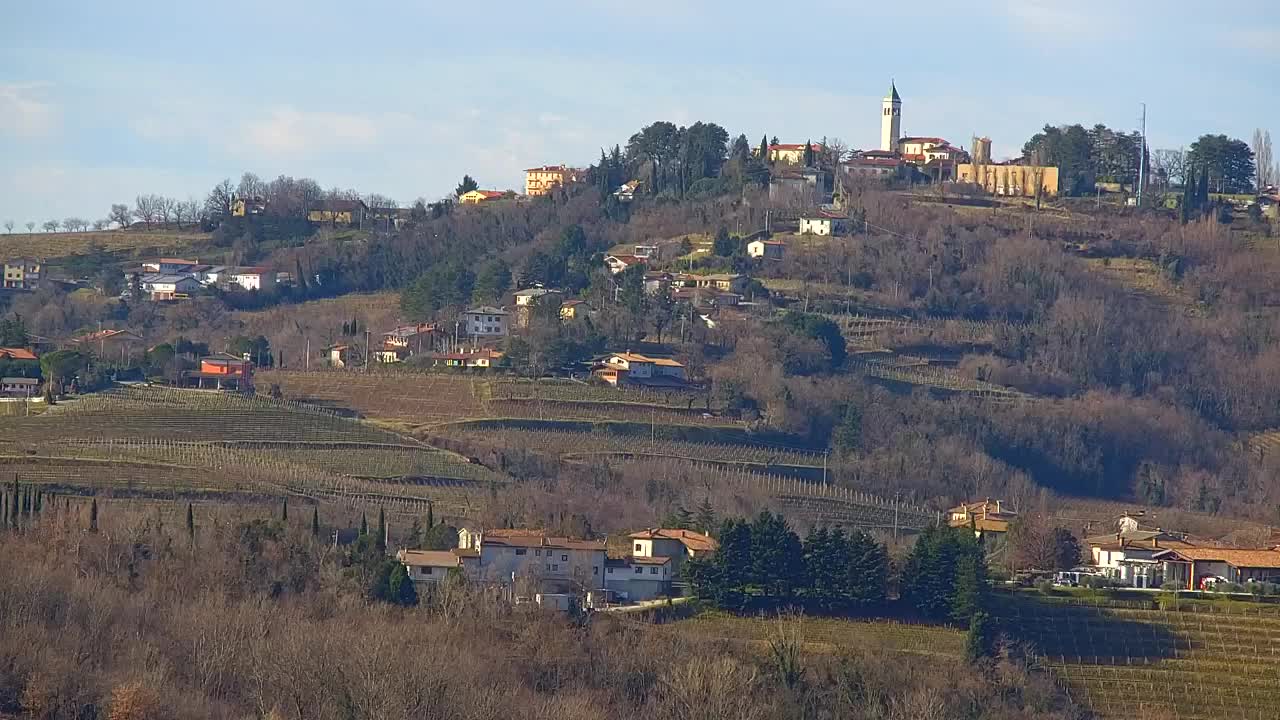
<point>890,120</point>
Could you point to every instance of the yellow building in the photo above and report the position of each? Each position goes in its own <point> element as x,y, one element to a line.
<point>339,212</point>
<point>475,197</point>
<point>1010,180</point>
<point>22,274</point>
<point>542,180</point>
<point>791,154</point>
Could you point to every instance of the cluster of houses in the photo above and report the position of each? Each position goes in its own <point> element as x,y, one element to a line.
<point>1139,556</point>
<point>22,273</point>
<point>166,279</point>
<point>556,571</point>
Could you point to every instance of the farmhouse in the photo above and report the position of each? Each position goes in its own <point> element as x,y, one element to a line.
<point>405,340</point>
<point>675,543</point>
<point>1128,555</point>
<point>986,517</point>
<point>791,153</point>
<point>175,286</point>
<point>822,223</point>
<point>724,282</point>
<point>636,579</point>
<point>340,212</point>
<point>168,266</point>
<point>251,278</point>
<point>633,368</point>
<point>428,567</point>
<point>767,249</point>
<point>619,263</point>
<point>551,564</point>
<point>536,297</point>
<point>1189,567</point>
<point>573,310</point>
<point>475,197</point>
<point>483,358</point>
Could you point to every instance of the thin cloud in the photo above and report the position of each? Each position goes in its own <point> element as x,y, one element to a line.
<point>23,114</point>
<point>290,131</point>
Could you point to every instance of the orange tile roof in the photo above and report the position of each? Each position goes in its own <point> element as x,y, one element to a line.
<point>17,353</point>
<point>539,541</point>
<point>695,541</point>
<point>432,558</point>
<point>1239,557</point>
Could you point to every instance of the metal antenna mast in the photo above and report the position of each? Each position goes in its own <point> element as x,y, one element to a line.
<point>1142,156</point>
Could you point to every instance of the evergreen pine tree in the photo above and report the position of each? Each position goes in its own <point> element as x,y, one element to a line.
<point>969,593</point>
<point>979,642</point>
<point>315,521</point>
<point>822,554</point>
<point>191,523</point>
<point>382,530</point>
<point>866,565</point>
<point>777,558</point>
<point>93,516</point>
<point>364,524</point>
<point>401,589</point>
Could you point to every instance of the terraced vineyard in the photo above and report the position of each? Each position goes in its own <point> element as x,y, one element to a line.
<point>582,444</point>
<point>156,440</point>
<point>1133,663</point>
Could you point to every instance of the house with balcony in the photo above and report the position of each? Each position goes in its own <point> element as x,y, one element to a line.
<point>22,274</point>
<point>636,369</point>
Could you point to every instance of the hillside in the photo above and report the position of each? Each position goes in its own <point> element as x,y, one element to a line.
<point>1197,661</point>
<point>63,244</point>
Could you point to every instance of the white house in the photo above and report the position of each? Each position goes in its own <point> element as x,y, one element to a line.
<point>815,225</point>
<point>251,278</point>
<point>486,321</point>
<point>552,564</point>
<point>639,578</point>
<point>675,543</point>
<point>168,286</point>
<point>767,249</point>
<point>1128,555</point>
<point>213,274</point>
<point>629,367</point>
<point>535,295</point>
<point>428,567</point>
<point>618,263</point>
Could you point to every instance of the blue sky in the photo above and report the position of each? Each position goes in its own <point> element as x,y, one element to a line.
<point>102,101</point>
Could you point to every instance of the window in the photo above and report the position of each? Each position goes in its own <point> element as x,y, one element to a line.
<point>639,547</point>
<point>555,567</point>
<point>595,571</point>
<point>610,571</point>
<point>653,571</point>
<point>520,551</point>
<point>564,558</point>
<point>639,570</point>
<point>537,553</point>
<point>425,571</point>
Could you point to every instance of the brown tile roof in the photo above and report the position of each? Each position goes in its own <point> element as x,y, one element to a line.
<point>539,541</point>
<point>694,541</point>
<point>1239,557</point>
<point>655,560</point>
<point>17,353</point>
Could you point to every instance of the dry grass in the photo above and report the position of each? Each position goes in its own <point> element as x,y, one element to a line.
<point>1141,276</point>
<point>829,635</point>
<point>61,244</point>
<point>407,399</point>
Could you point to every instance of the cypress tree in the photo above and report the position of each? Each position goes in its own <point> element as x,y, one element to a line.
<point>1188,195</point>
<point>93,516</point>
<point>364,524</point>
<point>4,508</point>
<point>191,523</point>
<point>764,149</point>
<point>39,501</point>
<point>808,154</point>
<point>315,521</point>
<point>284,510</point>
<point>382,530</point>
<point>1202,199</point>
<point>431,514</point>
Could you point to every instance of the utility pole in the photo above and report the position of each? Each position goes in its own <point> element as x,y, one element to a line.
<point>308,361</point>
<point>1142,155</point>
<point>896,495</point>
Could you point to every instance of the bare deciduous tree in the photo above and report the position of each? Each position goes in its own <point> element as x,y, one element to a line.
<point>31,227</point>
<point>218,204</point>
<point>147,208</point>
<point>100,224</point>
<point>50,226</point>
<point>1169,167</point>
<point>8,226</point>
<point>1264,160</point>
<point>120,215</point>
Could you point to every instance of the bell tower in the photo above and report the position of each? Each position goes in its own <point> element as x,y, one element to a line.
<point>890,120</point>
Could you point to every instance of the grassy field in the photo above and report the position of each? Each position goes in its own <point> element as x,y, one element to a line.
<point>408,399</point>
<point>825,635</point>
<point>62,244</point>
<point>1134,663</point>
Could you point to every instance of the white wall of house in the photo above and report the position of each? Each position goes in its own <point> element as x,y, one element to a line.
<point>248,281</point>
<point>498,563</point>
<point>815,226</point>
<point>486,324</point>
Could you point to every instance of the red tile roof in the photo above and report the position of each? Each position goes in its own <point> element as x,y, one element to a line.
<point>694,541</point>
